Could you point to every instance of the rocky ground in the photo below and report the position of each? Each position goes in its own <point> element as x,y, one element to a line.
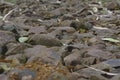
<point>60,40</point>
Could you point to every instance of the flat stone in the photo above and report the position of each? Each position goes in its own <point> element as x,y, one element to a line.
<point>42,53</point>
<point>46,40</point>
<point>113,62</point>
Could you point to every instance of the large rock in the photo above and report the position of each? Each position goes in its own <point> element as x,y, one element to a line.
<point>42,53</point>
<point>46,40</point>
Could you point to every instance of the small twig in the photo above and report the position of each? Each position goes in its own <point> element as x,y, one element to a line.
<point>8,3</point>
<point>4,18</point>
<point>98,70</point>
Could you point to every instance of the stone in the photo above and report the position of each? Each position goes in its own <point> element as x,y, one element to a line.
<point>27,74</point>
<point>4,77</point>
<point>113,62</point>
<point>46,40</point>
<point>72,59</point>
<point>6,37</point>
<point>57,76</point>
<point>43,54</point>
<point>98,53</point>
<point>37,30</point>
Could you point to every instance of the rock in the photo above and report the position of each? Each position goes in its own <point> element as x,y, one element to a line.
<point>15,48</point>
<point>83,35</point>
<point>10,27</point>
<point>23,33</point>
<point>99,45</point>
<point>38,49</point>
<point>115,5</point>
<point>113,62</point>
<point>73,76</point>
<point>81,25</point>
<point>57,76</point>
<point>57,12</point>
<point>51,22</point>
<point>63,33</point>
<point>93,40</point>
<point>64,28</point>
<point>95,78</point>
<point>113,48</point>
<point>68,17</point>
<point>4,77</point>
<point>93,74</point>
<point>27,74</point>
<point>116,71</point>
<point>103,33</point>
<point>72,59</point>
<point>43,54</point>
<point>37,30</point>
<point>13,56</point>
<point>44,39</point>
<point>104,55</point>
<point>90,60</point>
<point>20,57</point>
<point>116,77</point>
<point>65,23</point>
<point>6,36</point>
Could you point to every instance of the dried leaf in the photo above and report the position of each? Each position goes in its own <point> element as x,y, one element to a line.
<point>23,39</point>
<point>100,28</point>
<point>110,39</point>
<point>5,67</point>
